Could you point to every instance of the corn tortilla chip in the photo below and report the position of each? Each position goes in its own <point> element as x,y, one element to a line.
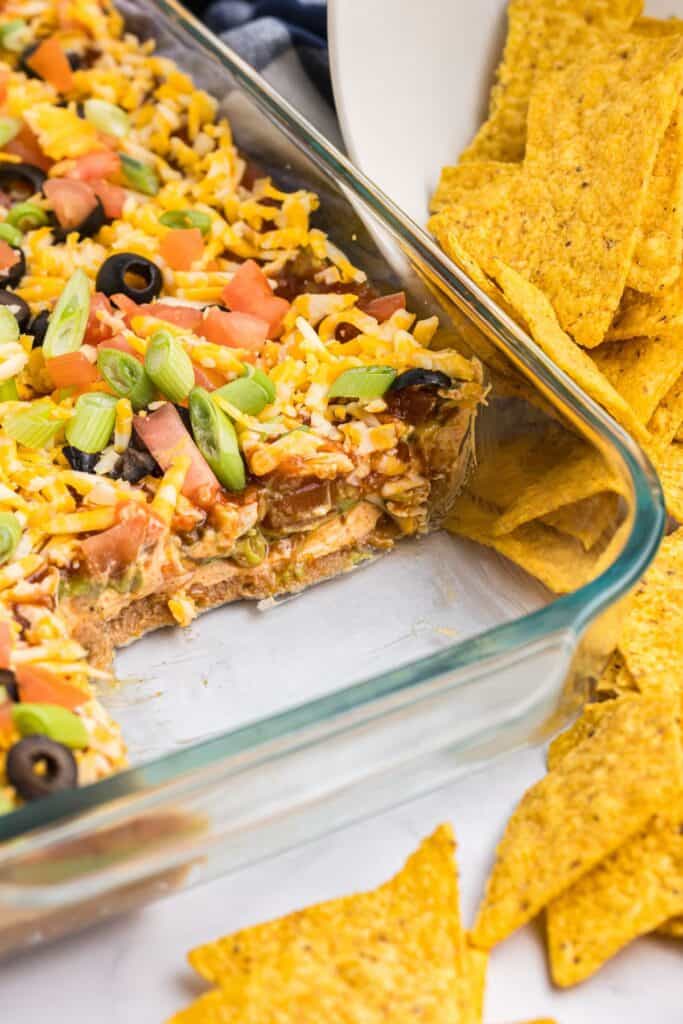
<point>512,465</point>
<point>669,465</point>
<point>563,219</point>
<point>601,793</point>
<point>657,258</point>
<point>476,965</point>
<point>559,562</point>
<point>543,36</point>
<point>583,475</point>
<point>616,680</point>
<point>212,1008</point>
<point>536,310</point>
<point>649,316</point>
<point>390,955</point>
<point>672,928</point>
<point>652,635</point>
<point>642,370</point>
<point>657,27</point>
<point>667,418</point>
<point>588,520</point>
<point>582,729</point>
<point>632,892</point>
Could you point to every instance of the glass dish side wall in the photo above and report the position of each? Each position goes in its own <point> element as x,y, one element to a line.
<point>278,779</point>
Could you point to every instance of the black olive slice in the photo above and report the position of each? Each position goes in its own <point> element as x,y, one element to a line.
<point>134,465</point>
<point>20,181</point>
<point>114,277</point>
<point>13,275</point>
<point>418,378</point>
<point>37,766</point>
<point>88,227</point>
<point>38,327</point>
<point>82,462</point>
<point>9,684</point>
<point>18,307</point>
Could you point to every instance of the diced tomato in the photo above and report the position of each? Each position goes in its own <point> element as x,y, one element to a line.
<point>4,82</point>
<point>113,550</point>
<point>72,201</point>
<point>165,435</point>
<point>25,145</point>
<point>101,164</point>
<point>205,379</point>
<point>119,342</point>
<point>250,292</point>
<point>51,63</point>
<point>238,330</point>
<point>126,305</point>
<point>5,644</point>
<point>111,196</point>
<point>40,686</point>
<point>96,331</point>
<point>182,316</point>
<point>8,256</point>
<point>384,305</point>
<point>72,369</point>
<point>6,721</point>
<point>181,247</point>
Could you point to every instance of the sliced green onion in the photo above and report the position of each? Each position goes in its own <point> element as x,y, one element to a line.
<point>169,366</point>
<point>186,219</point>
<point>34,428</point>
<point>8,390</point>
<point>27,216</point>
<point>250,550</point>
<point>126,376</point>
<point>69,318</point>
<point>13,236</point>
<point>9,127</point>
<point>216,439</point>
<point>92,424</point>
<point>52,720</point>
<point>10,535</point>
<point>14,35</point>
<point>9,328</point>
<point>362,382</point>
<point>246,394</point>
<point>107,118</point>
<point>139,176</point>
<point>264,380</point>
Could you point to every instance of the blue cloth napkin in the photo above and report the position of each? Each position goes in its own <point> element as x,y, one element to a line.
<point>263,30</point>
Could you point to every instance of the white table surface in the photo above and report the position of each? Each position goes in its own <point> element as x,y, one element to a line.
<point>132,970</point>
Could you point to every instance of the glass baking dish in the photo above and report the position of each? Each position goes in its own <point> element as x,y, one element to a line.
<point>262,727</point>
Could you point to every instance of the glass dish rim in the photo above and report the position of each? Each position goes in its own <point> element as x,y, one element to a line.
<point>571,612</point>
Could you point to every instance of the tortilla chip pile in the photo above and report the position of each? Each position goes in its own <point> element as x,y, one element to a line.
<point>395,955</point>
<point>568,209</point>
<point>597,844</point>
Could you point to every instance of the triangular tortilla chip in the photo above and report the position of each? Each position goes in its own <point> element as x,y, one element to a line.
<point>657,258</point>
<point>667,418</point>
<point>642,370</point>
<point>534,308</point>
<point>582,475</point>
<point>601,793</point>
<point>391,955</point>
<point>673,928</point>
<point>632,892</point>
<point>563,219</point>
<point>543,36</point>
<point>560,562</point>
<point>588,520</point>
<point>652,634</point>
